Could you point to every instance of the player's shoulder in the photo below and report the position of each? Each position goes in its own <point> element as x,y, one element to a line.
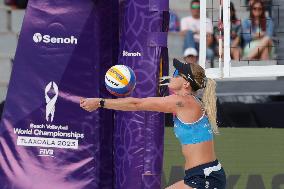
<point>178,98</point>
<point>174,97</point>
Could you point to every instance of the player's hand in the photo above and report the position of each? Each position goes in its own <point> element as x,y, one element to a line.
<point>90,104</point>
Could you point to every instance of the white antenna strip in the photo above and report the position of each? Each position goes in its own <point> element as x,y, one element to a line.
<point>220,36</point>
<point>202,42</point>
<point>227,37</point>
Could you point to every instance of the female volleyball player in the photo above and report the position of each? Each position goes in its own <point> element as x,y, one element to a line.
<point>194,123</point>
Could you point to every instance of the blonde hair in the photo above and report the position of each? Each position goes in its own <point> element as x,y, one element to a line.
<point>209,95</point>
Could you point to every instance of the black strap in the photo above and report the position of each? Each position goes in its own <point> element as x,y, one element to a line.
<point>192,82</point>
<point>102,103</point>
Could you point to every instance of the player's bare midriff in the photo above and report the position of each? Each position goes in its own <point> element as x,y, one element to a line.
<point>197,154</point>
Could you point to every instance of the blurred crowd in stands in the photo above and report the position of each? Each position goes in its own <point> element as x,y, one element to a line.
<point>20,4</point>
<point>251,38</point>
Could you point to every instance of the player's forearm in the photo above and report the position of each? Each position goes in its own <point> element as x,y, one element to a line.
<point>124,104</point>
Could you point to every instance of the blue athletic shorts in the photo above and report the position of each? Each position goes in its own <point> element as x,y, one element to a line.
<point>206,176</point>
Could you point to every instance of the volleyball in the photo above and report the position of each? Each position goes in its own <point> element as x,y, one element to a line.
<point>120,80</point>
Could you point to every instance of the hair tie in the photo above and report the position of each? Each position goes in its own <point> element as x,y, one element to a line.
<point>204,84</point>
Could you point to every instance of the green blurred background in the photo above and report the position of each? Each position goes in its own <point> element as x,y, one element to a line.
<point>253,158</point>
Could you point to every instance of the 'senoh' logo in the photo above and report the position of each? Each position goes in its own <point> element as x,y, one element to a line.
<point>38,37</point>
<point>125,53</point>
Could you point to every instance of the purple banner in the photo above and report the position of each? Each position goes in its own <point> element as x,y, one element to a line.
<point>46,139</point>
<point>139,135</point>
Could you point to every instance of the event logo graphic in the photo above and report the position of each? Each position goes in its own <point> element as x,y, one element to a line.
<point>38,37</point>
<point>46,152</point>
<point>50,102</point>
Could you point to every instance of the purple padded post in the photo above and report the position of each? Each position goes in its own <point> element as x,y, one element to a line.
<point>139,135</point>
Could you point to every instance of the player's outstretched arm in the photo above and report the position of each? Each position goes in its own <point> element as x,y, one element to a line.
<point>159,104</point>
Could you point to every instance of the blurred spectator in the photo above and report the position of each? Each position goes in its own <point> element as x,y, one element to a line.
<point>21,4</point>
<point>190,27</point>
<point>10,2</point>
<point>257,32</point>
<point>267,6</point>
<point>190,55</point>
<point>235,34</point>
<point>174,25</point>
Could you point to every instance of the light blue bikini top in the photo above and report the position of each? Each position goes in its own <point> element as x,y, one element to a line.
<point>192,133</point>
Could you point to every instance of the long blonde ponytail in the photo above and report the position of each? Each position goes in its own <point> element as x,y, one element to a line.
<point>209,94</point>
<point>209,102</point>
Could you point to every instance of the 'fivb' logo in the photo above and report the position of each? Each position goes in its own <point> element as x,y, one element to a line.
<point>38,37</point>
<point>50,102</point>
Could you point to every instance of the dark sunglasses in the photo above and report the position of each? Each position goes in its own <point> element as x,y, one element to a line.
<point>175,73</point>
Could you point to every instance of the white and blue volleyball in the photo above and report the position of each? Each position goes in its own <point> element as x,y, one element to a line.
<point>120,80</point>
